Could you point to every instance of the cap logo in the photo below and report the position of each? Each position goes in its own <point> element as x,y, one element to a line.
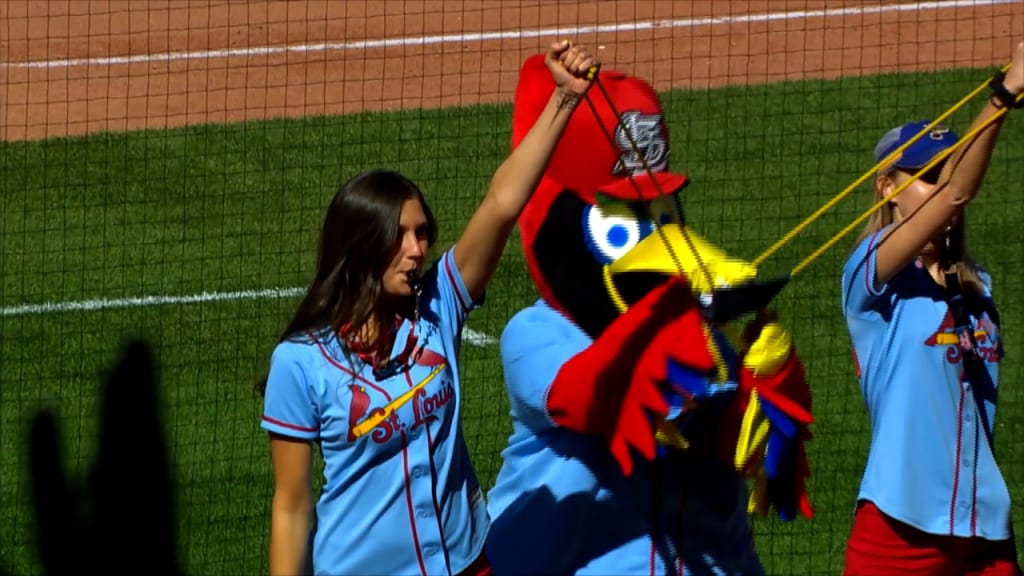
<point>938,132</point>
<point>650,140</point>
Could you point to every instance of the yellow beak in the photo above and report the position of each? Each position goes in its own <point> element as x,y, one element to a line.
<point>673,248</point>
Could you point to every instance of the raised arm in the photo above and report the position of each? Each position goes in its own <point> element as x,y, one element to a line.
<point>957,185</point>
<point>479,249</point>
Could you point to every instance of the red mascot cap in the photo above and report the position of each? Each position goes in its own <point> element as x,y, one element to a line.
<point>595,154</point>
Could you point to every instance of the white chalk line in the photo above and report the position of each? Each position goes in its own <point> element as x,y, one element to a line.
<point>469,335</point>
<point>505,35</point>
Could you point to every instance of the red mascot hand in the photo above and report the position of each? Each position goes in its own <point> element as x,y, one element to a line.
<point>612,389</point>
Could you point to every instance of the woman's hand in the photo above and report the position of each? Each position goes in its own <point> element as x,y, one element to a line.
<point>569,65</point>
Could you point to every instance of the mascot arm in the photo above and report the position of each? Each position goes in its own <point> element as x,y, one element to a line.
<point>776,411</point>
<point>612,389</point>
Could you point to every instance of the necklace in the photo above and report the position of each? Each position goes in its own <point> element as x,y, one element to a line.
<point>370,355</point>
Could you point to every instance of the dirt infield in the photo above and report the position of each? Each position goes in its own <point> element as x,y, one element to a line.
<point>76,66</point>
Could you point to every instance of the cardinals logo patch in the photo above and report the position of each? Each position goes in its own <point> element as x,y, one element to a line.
<point>647,133</point>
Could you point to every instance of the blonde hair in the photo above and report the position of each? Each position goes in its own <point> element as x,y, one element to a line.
<point>966,268</point>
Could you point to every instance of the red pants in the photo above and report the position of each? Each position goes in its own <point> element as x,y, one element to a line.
<point>879,545</point>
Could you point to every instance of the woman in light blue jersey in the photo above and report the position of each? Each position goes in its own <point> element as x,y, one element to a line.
<point>925,336</point>
<point>367,370</point>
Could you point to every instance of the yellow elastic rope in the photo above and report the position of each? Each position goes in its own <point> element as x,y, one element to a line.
<point>786,238</point>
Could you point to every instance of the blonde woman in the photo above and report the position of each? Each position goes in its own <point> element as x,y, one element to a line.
<point>924,331</point>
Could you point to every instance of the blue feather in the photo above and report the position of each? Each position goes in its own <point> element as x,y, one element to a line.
<point>781,438</point>
<point>691,381</point>
<point>778,418</point>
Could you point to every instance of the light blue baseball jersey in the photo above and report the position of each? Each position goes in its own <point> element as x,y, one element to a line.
<point>400,495</point>
<point>931,463</point>
<point>561,504</point>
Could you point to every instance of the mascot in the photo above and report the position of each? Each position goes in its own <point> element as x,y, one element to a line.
<point>644,431</point>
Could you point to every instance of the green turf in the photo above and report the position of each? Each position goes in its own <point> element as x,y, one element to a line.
<point>228,208</point>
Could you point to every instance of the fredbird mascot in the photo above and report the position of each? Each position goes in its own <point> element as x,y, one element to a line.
<point>644,433</point>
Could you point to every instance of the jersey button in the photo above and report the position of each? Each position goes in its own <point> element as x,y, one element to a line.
<point>423,514</point>
<point>430,550</point>
<point>417,472</point>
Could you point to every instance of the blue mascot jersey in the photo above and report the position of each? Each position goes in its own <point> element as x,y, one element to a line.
<point>562,505</point>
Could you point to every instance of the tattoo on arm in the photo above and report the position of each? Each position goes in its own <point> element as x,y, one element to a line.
<point>567,100</point>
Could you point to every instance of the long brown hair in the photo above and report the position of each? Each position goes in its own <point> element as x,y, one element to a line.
<point>358,239</point>
<point>965,266</point>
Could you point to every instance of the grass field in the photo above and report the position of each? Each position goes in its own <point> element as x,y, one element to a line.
<point>220,211</point>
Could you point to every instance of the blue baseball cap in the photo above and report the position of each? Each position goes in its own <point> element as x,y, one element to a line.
<point>921,151</point>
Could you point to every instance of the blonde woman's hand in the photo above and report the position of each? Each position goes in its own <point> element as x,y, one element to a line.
<point>570,64</point>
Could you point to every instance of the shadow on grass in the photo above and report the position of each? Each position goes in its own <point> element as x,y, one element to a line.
<point>123,516</point>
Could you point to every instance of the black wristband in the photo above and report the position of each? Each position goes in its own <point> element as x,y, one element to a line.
<point>1001,93</point>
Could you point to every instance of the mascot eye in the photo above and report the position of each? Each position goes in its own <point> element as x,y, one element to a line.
<point>610,232</point>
